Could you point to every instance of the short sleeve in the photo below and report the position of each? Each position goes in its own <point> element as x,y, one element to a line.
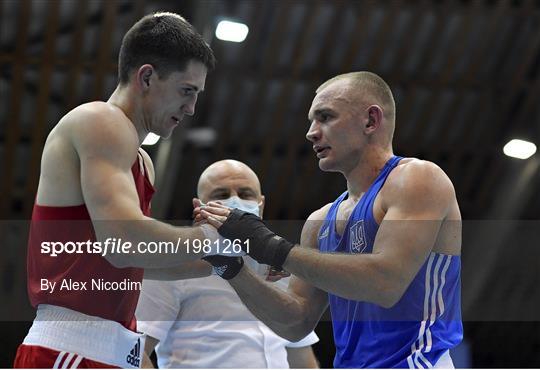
<point>308,340</point>
<point>158,308</point>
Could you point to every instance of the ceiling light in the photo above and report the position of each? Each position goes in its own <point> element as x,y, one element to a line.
<point>231,31</point>
<point>150,139</point>
<point>519,149</point>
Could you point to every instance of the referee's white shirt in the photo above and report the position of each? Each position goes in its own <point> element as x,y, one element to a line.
<point>201,323</point>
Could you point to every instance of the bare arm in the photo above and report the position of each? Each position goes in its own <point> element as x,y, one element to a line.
<point>415,200</point>
<point>302,358</point>
<point>416,203</point>
<point>292,314</point>
<point>107,148</point>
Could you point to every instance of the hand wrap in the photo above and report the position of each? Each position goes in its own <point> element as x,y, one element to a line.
<point>264,245</point>
<point>226,267</point>
<point>217,243</point>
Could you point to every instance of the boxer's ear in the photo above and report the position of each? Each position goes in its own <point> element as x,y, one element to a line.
<point>375,116</point>
<point>261,206</point>
<point>144,76</point>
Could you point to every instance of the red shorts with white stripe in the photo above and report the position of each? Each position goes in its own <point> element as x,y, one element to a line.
<point>37,357</point>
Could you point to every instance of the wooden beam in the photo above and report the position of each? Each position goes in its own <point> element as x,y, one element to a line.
<point>308,77</point>
<point>458,44</point>
<point>236,82</point>
<point>526,112</point>
<point>14,111</point>
<point>470,168</point>
<point>449,120</point>
<point>480,120</point>
<point>484,197</point>
<point>42,105</point>
<point>104,49</point>
<point>365,10</point>
<point>519,15</point>
<point>341,10</point>
<point>279,118</point>
<point>404,111</point>
<point>382,37</point>
<point>30,60</point>
<point>409,35</point>
<point>287,176</point>
<point>442,14</point>
<point>264,76</point>
<point>481,52</point>
<point>523,68</point>
<point>519,80</point>
<point>93,19</point>
<point>419,127</point>
<point>298,192</point>
<point>75,64</point>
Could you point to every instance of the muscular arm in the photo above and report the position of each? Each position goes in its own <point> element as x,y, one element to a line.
<point>107,148</point>
<point>416,202</point>
<point>292,314</point>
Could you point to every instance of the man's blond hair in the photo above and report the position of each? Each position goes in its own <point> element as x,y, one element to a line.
<point>372,85</point>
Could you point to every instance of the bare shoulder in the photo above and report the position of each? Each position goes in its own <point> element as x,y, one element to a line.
<point>416,176</point>
<point>312,226</point>
<point>320,214</point>
<point>417,184</point>
<point>102,129</point>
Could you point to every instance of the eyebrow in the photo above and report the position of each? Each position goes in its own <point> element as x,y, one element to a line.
<point>192,87</point>
<point>320,111</point>
<point>246,189</point>
<point>219,190</point>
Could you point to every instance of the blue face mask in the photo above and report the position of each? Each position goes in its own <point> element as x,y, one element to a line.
<point>250,206</point>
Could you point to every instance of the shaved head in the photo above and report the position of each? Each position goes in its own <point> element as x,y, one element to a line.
<point>228,177</point>
<point>370,86</point>
<point>370,89</point>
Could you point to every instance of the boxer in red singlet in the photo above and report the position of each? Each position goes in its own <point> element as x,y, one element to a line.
<point>93,174</point>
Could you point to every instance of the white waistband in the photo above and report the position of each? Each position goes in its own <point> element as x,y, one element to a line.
<point>92,337</point>
<point>444,362</point>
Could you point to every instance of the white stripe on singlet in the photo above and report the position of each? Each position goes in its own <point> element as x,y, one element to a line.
<point>67,360</point>
<point>413,360</point>
<point>436,280</point>
<point>77,361</point>
<point>434,297</point>
<point>58,360</point>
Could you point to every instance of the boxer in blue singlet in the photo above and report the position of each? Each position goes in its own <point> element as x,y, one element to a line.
<point>417,331</point>
<point>385,255</point>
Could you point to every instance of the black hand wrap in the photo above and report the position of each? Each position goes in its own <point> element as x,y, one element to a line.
<point>264,245</point>
<point>226,267</point>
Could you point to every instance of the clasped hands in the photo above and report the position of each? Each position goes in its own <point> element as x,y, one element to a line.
<point>257,240</point>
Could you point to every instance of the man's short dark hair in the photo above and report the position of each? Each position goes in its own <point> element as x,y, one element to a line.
<point>166,41</point>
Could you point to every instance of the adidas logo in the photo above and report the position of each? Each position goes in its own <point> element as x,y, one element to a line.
<point>134,357</point>
<point>324,234</point>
